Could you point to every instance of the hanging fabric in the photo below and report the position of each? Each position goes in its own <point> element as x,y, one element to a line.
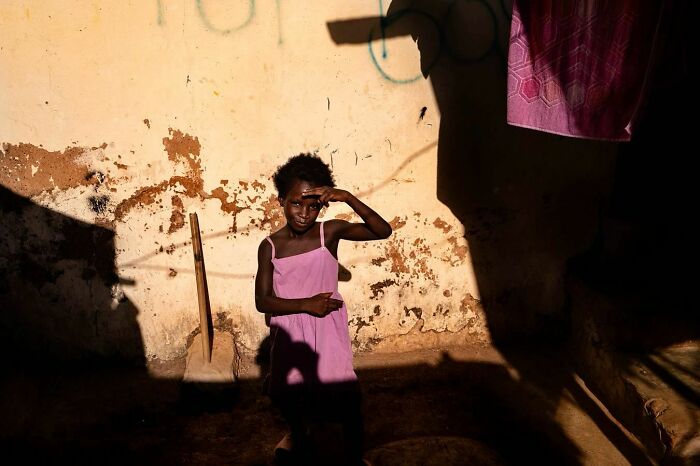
<point>580,67</point>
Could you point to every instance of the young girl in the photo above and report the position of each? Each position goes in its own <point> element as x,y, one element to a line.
<point>297,286</point>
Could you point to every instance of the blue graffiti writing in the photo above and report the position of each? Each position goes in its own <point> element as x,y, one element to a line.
<point>160,12</point>
<point>205,18</point>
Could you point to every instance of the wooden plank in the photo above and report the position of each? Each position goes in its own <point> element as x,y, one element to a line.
<point>202,291</point>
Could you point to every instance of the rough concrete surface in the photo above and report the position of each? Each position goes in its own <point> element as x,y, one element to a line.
<point>666,386</point>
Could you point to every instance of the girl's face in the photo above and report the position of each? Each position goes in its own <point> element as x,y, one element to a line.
<point>300,211</point>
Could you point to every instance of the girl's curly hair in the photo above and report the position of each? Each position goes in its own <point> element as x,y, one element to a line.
<point>306,167</point>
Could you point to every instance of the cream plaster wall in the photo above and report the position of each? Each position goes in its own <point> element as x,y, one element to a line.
<point>153,104</point>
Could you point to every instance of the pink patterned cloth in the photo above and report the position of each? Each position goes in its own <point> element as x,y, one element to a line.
<point>578,67</point>
<point>308,350</point>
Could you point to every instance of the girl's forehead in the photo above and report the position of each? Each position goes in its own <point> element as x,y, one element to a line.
<point>298,186</point>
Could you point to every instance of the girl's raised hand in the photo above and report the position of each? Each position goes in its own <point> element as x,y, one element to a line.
<point>327,194</point>
<point>322,304</point>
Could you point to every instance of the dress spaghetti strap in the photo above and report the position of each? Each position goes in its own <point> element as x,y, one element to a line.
<point>273,246</point>
<point>323,241</point>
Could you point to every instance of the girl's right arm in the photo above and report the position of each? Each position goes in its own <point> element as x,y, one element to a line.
<point>268,303</point>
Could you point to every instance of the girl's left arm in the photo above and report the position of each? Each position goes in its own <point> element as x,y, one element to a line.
<point>374,226</point>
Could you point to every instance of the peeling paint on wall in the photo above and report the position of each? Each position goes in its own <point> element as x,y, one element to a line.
<point>418,312</point>
<point>181,147</point>
<point>378,261</point>
<point>177,218</point>
<point>395,253</point>
<point>397,223</point>
<point>420,254</point>
<point>30,170</point>
<point>273,217</point>
<point>443,225</point>
<point>459,251</point>
<point>473,308</point>
<point>378,287</point>
<point>412,260</point>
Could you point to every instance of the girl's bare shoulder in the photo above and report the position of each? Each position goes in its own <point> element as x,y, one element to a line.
<point>277,234</point>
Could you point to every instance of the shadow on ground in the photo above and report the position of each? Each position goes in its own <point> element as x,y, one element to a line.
<point>446,413</point>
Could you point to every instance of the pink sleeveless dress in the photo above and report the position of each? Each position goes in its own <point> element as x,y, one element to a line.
<point>308,350</point>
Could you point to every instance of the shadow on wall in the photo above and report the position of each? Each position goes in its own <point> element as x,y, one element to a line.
<point>62,298</point>
<point>67,331</point>
<point>647,238</point>
<point>529,200</point>
<point>532,201</point>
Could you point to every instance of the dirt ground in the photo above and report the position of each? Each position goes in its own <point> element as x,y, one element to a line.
<point>467,405</point>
